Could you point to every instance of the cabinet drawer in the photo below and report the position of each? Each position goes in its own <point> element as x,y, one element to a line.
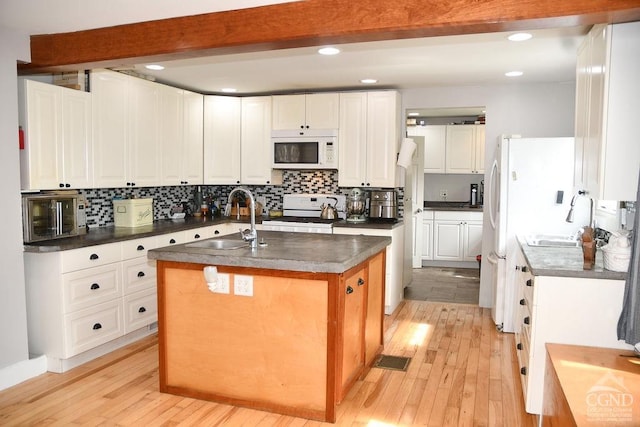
<point>139,274</point>
<point>84,288</point>
<point>458,215</point>
<point>198,234</point>
<point>91,327</point>
<point>171,239</point>
<point>91,256</point>
<point>138,247</point>
<point>140,310</point>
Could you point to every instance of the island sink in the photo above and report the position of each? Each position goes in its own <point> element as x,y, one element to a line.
<point>552,241</point>
<point>219,244</point>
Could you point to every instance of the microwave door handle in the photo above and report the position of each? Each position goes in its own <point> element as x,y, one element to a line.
<point>58,218</point>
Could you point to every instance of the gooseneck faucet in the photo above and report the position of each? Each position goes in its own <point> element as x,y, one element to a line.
<point>247,235</point>
<point>573,202</point>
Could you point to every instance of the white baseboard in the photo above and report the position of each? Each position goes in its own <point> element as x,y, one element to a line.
<point>22,371</point>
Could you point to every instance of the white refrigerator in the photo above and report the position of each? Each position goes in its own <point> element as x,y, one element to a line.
<point>523,197</point>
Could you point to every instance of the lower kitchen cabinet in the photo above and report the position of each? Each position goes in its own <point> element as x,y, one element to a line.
<point>427,235</point>
<point>457,235</point>
<point>563,310</point>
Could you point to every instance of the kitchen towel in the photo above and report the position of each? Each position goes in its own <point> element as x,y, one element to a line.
<point>406,152</point>
<point>629,322</point>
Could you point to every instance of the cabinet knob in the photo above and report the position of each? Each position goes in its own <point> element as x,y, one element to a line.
<point>523,302</point>
<point>142,310</point>
<point>360,281</point>
<point>519,346</point>
<point>349,290</point>
<point>529,282</point>
<point>523,370</point>
<point>140,248</point>
<point>527,320</point>
<point>140,273</point>
<point>61,185</point>
<point>517,268</point>
<point>95,286</point>
<point>97,326</point>
<point>67,185</point>
<point>93,257</point>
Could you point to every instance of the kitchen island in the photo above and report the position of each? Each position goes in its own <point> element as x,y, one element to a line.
<point>290,328</point>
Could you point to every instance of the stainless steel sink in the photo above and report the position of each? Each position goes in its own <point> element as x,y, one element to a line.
<point>549,240</point>
<point>219,244</point>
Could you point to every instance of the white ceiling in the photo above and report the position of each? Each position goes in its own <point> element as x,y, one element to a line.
<point>480,59</point>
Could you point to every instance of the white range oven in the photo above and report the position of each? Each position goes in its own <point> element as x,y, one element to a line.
<point>301,213</point>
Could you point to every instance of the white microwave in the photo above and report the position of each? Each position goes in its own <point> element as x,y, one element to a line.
<point>316,149</point>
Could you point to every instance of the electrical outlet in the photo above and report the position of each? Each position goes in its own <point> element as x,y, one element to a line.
<point>222,286</point>
<point>243,285</point>
<point>443,194</point>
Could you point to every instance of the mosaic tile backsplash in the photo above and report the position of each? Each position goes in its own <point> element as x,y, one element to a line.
<point>100,207</point>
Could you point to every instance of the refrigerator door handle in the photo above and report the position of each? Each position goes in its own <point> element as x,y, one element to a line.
<point>492,187</point>
<point>494,257</point>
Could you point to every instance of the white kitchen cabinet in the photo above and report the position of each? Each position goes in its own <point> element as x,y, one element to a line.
<point>564,310</point>
<point>58,141</point>
<point>304,112</point>
<point>457,235</point>
<point>255,145</point>
<point>607,154</point>
<point>222,126</point>
<point>394,289</point>
<point>368,139</point>
<point>427,236</point>
<point>435,143</point>
<point>126,128</point>
<point>465,149</point>
<point>181,136</point>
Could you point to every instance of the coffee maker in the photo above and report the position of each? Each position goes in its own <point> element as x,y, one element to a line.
<point>383,205</point>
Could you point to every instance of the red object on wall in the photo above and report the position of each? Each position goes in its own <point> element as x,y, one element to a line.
<point>21,137</point>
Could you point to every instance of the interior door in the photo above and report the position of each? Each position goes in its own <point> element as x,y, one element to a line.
<point>415,187</point>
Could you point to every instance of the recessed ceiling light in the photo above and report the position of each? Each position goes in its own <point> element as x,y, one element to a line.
<point>414,114</point>
<point>154,67</point>
<point>513,73</point>
<point>229,89</point>
<point>519,37</point>
<point>329,50</point>
<point>368,81</point>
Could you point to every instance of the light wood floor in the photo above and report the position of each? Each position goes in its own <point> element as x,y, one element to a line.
<point>462,372</point>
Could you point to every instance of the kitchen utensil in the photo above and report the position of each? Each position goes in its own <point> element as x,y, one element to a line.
<point>328,211</point>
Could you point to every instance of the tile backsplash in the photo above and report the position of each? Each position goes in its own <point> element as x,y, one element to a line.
<point>100,207</point>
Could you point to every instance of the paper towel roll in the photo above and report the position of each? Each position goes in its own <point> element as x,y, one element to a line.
<point>406,152</point>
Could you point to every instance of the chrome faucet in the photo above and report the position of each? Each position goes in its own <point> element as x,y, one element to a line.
<point>573,202</point>
<point>247,235</point>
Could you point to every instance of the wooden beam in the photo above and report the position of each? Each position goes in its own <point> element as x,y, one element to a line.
<point>310,23</point>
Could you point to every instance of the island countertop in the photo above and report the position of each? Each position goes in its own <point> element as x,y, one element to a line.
<point>319,253</point>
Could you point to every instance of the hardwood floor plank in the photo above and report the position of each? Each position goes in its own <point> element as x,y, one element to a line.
<point>463,372</point>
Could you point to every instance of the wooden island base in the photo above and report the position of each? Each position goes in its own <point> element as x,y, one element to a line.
<point>295,347</point>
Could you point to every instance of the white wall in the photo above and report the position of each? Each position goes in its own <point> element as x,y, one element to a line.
<point>531,110</point>
<point>14,354</point>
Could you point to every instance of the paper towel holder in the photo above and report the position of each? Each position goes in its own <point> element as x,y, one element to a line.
<point>407,148</point>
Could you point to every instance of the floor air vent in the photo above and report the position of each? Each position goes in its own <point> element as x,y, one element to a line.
<point>396,363</point>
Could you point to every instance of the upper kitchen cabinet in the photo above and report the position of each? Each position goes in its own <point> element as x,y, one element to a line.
<point>57,126</point>
<point>181,134</point>
<point>368,138</point>
<point>222,115</point>
<point>465,149</point>
<point>305,112</point>
<point>607,153</point>
<point>255,145</point>
<point>126,129</point>
<point>435,143</point>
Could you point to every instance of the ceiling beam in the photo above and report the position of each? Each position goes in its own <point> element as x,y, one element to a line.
<point>309,23</point>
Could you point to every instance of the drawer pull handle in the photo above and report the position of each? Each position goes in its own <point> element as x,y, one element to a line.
<point>95,286</point>
<point>142,310</point>
<point>172,241</point>
<point>519,346</point>
<point>524,269</point>
<point>523,370</point>
<point>360,281</point>
<point>216,232</point>
<point>140,248</point>
<point>97,326</point>
<point>197,236</point>
<point>527,320</point>
<point>523,302</point>
<point>140,273</point>
<point>529,282</point>
<point>349,290</point>
<point>93,257</point>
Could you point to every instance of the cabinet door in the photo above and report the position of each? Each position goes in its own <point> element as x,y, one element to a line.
<point>382,138</point>
<point>435,138</point>
<point>460,148</point>
<point>427,240</point>
<point>472,240</point>
<point>255,148</point>
<point>42,157</point>
<point>352,139</point>
<point>478,150</point>
<point>222,140</point>
<point>171,123</point>
<point>322,110</point>
<point>144,134</point>
<point>288,112</point>
<point>77,139</point>
<point>374,320</point>
<point>110,118</point>
<point>192,138</point>
<point>447,240</point>
<point>353,303</point>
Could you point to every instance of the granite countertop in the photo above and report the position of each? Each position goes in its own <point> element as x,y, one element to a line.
<point>309,252</point>
<point>378,225</point>
<point>565,262</point>
<point>451,206</point>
